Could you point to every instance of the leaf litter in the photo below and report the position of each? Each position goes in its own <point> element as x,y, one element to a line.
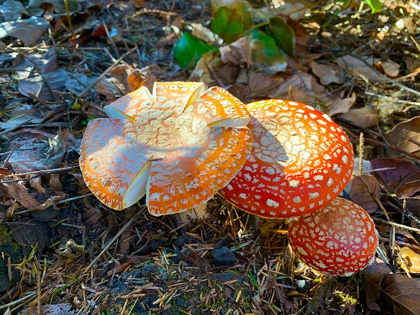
<point>53,83</point>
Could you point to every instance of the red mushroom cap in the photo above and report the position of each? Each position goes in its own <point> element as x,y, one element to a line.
<point>300,161</point>
<point>177,146</point>
<point>339,239</point>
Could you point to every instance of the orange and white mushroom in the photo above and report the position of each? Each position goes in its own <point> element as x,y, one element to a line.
<point>300,161</point>
<point>177,146</point>
<point>339,239</point>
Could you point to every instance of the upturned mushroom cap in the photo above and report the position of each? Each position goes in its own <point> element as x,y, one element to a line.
<point>339,239</point>
<point>300,161</point>
<point>175,145</point>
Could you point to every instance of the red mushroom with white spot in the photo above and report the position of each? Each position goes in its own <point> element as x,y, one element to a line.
<point>339,239</point>
<point>177,146</point>
<point>300,161</point>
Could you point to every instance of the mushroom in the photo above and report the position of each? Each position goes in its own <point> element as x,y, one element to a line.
<point>300,161</point>
<point>339,239</point>
<point>176,146</point>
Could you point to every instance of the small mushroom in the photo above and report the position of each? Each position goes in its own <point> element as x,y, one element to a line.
<point>177,146</point>
<point>339,239</point>
<point>300,161</point>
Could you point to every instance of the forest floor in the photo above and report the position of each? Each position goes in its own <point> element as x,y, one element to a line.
<point>64,252</point>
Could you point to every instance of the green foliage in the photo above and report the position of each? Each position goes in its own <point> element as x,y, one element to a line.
<point>189,50</point>
<point>228,23</point>
<point>283,35</point>
<point>265,51</point>
<point>375,5</point>
<point>230,19</point>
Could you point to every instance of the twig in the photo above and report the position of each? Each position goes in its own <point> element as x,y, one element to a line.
<point>405,227</point>
<point>385,145</point>
<point>106,72</point>
<point>125,227</point>
<point>17,301</point>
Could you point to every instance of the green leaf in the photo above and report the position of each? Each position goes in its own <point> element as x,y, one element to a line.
<point>241,5</point>
<point>375,5</point>
<point>283,35</point>
<point>265,52</point>
<point>228,23</point>
<point>189,50</point>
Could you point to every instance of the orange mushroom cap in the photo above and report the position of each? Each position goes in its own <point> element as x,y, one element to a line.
<point>339,239</point>
<point>300,161</point>
<point>175,145</point>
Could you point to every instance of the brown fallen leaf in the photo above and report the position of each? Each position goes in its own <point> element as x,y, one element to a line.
<point>364,190</point>
<point>361,117</point>
<point>237,53</point>
<point>398,176</point>
<point>411,259</point>
<point>302,80</point>
<point>389,67</point>
<point>28,31</point>
<point>406,136</point>
<point>262,84</point>
<point>12,10</point>
<point>37,86</point>
<point>110,88</point>
<point>361,68</point>
<point>34,151</point>
<point>131,78</point>
<point>373,277</point>
<point>400,295</point>
<point>341,106</point>
<point>18,192</point>
<point>327,73</point>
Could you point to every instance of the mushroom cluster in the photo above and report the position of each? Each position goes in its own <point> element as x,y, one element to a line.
<point>177,146</point>
<point>300,162</point>
<point>180,145</point>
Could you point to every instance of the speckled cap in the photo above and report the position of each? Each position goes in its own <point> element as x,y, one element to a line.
<point>177,146</point>
<point>300,161</point>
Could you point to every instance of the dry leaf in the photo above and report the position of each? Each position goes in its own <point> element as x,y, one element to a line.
<point>109,87</point>
<point>361,68</point>
<point>78,82</point>
<point>36,85</point>
<point>373,277</point>
<point>237,53</point>
<point>131,78</point>
<point>406,136</point>
<point>240,91</point>
<point>35,151</point>
<point>400,295</point>
<point>327,73</point>
<point>203,33</point>
<point>341,105</point>
<point>262,84</point>
<point>28,31</point>
<point>35,183</point>
<point>389,67</point>
<point>12,10</point>
<point>363,188</point>
<point>361,117</point>
<point>399,176</point>
<point>411,259</point>
<point>303,81</point>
